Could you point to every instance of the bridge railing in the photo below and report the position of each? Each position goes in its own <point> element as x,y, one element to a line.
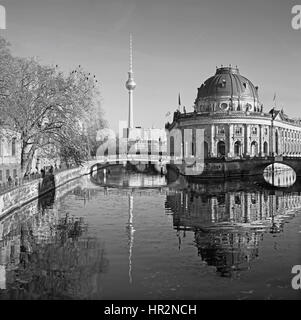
<point>132,157</point>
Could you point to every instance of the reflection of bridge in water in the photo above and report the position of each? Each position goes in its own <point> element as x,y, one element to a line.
<point>119,176</point>
<point>279,175</point>
<point>229,221</point>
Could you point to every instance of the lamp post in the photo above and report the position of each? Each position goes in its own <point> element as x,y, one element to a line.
<point>272,144</point>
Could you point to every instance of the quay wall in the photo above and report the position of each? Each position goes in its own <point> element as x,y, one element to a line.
<point>236,168</point>
<point>31,190</point>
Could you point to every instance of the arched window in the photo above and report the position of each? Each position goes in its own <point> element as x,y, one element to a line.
<point>254,149</point>
<point>13,147</point>
<point>237,148</point>
<point>221,148</point>
<point>265,148</point>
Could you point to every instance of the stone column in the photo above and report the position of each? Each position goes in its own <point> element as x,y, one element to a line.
<point>279,141</point>
<point>182,145</point>
<point>243,141</point>
<point>271,141</point>
<point>260,151</point>
<point>247,136</point>
<point>231,141</point>
<point>285,141</point>
<point>213,151</point>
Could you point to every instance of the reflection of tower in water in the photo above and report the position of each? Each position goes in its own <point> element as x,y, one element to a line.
<point>130,232</point>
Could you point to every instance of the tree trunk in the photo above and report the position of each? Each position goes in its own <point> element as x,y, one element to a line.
<point>26,159</point>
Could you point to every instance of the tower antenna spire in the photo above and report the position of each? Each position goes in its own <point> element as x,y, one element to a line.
<point>131,53</point>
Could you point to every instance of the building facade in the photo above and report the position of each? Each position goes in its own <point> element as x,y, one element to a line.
<point>228,109</point>
<point>10,154</point>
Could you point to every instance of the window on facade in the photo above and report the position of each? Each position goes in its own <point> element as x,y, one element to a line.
<point>254,149</point>
<point>265,148</point>
<point>221,199</point>
<point>13,147</point>
<point>1,175</point>
<point>224,106</point>
<point>237,200</point>
<point>254,130</point>
<point>238,130</point>
<point>7,174</point>
<point>15,173</point>
<point>221,148</point>
<point>221,130</point>
<point>249,107</point>
<point>266,131</point>
<point>237,148</point>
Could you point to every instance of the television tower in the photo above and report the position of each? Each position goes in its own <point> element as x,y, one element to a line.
<point>131,85</point>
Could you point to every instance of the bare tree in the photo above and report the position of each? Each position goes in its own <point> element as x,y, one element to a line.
<point>51,111</point>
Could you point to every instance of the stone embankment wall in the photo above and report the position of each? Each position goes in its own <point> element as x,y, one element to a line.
<point>33,189</point>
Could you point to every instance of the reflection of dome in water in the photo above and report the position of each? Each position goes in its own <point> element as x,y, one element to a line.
<point>229,223</point>
<point>228,251</point>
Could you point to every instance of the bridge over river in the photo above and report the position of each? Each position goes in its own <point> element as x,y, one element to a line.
<point>212,167</point>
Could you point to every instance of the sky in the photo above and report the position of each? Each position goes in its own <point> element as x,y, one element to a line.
<point>177,46</point>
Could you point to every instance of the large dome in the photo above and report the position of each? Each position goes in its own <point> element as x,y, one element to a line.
<point>227,90</point>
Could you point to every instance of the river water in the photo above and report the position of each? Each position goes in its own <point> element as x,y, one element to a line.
<point>136,236</point>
